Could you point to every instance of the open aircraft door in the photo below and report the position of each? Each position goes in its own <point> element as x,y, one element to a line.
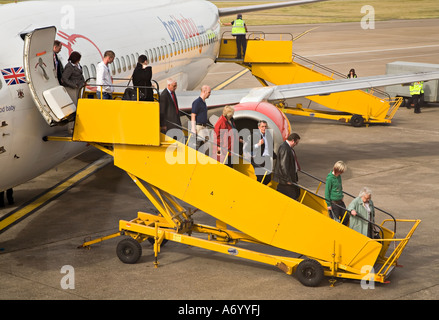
<point>51,98</point>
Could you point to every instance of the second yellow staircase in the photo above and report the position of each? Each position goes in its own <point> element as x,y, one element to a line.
<point>273,62</point>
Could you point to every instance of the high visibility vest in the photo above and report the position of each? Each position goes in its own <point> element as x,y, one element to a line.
<point>238,27</point>
<point>416,88</point>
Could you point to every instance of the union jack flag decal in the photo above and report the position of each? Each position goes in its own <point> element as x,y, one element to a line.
<point>14,76</point>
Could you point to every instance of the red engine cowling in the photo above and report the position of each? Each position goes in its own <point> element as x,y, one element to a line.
<point>248,114</point>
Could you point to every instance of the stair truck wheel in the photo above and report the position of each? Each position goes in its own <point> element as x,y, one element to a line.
<point>129,251</point>
<point>357,120</point>
<point>310,273</point>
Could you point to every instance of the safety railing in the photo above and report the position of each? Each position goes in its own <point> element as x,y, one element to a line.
<point>321,182</point>
<point>137,90</point>
<point>261,35</point>
<point>333,74</point>
<point>391,260</point>
<point>306,190</point>
<point>190,137</point>
<point>396,253</point>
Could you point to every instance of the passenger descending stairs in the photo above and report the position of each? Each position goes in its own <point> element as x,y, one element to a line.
<point>129,131</point>
<point>273,62</point>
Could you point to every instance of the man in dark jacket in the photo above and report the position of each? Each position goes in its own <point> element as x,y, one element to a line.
<point>59,69</point>
<point>169,111</point>
<point>286,168</point>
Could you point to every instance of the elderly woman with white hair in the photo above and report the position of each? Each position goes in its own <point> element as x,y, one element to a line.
<point>362,211</point>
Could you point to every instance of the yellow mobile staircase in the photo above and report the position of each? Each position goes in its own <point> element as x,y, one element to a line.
<point>273,61</point>
<point>168,172</point>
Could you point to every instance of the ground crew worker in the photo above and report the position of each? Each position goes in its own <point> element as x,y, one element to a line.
<point>415,91</point>
<point>352,74</point>
<point>239,30</point>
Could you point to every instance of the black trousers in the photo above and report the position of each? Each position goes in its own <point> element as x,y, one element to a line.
<point>267,178</point>
<point>259,168</point>
<point>416,102</point>
<point>9,196</point>
<point>339,210</point>
<point>289,190</point>
<point>241,42</point>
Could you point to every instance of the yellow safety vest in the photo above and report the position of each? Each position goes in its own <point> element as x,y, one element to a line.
<point>238,27</point>
<point>416,88</point>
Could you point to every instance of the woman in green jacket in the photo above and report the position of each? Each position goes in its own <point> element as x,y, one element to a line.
<point>334,194</point>
<point>363,207</point>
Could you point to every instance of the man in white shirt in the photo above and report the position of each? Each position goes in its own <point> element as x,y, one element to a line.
<point>103,77</point>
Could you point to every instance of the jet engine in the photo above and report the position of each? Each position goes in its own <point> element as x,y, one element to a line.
<point>248,114</point>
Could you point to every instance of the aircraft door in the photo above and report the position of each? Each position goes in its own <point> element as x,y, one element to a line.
<point>50,97</point>
<point>6,115</point>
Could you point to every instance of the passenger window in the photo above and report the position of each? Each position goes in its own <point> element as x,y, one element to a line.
<point>113,69</point>
<point>84,71</point>
<point>118,65</point>
<point>93,71</point>
<point>124,66</point>
<point>133,61</point>
<point>150,56</point>
<point>128,62</point>
<point>137,59</point>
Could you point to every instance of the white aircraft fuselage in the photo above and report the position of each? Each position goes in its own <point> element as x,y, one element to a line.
<point>180,38</point>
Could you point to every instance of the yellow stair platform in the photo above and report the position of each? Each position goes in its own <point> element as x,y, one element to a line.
<point>168,172</point>
<point>273,61</point>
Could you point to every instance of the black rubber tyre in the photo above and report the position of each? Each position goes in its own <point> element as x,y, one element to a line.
<point>129,251</point>
<point>310,273</point>
<point>357,121</point>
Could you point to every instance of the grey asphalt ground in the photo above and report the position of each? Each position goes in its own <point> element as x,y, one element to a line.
<point>397,161</point>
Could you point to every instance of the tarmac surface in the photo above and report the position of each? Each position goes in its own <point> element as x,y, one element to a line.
<point>397,161</point>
